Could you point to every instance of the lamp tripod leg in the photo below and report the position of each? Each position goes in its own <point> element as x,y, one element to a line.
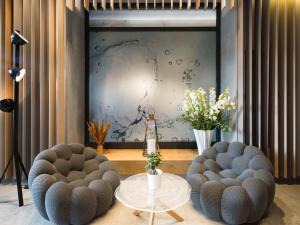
<point>22,167</point>
<point>6,168</point>
<point>18,177</point>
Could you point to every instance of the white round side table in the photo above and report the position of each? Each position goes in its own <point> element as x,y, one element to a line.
<point>134,193</point>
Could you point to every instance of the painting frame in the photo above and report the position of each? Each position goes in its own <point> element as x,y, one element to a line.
<point>139,145</point>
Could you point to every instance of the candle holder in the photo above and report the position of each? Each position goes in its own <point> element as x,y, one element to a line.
<point>151,138</point>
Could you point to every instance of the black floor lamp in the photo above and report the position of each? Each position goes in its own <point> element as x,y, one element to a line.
<point>12,106</point>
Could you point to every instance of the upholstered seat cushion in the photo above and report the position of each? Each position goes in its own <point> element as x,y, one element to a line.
<point>232,182</point>
<point>71,184</point>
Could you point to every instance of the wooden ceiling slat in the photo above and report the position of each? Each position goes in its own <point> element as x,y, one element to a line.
<point>189,4</point>
<point>223,4</point>
<point>129,4</point>
<point>86,5</point>
<point>95,4</point>
<point>111,4</point>
<point>70,4</point>
<point>197,4</point>
<point>232,4</point>
<point>103,4</point>
<point>214,4</point>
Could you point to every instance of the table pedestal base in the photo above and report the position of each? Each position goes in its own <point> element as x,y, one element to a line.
<point>171,213</point>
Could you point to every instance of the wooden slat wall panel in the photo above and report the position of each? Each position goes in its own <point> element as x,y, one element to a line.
<point>290,81</point>
<point>42,114</point>
<point>264,98</point>
<point>44,75</point>
<point>60,70</point>
<point>26,112</point>
<point>272,86</point>
<point>2,81</point>
<point>297,90</point>
<point>52,71</point>
<point>8,82</point>
<point>273,60</point>
<point>35,63</point>
<point>282,57</point>
<point>17,25</point>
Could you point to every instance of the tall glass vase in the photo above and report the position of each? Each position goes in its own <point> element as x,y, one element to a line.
<point>203,139</point>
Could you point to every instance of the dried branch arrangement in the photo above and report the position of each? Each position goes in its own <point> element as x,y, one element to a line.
<point>98,131</point>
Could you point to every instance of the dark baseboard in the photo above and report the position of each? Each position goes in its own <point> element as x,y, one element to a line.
<point>295,180</point>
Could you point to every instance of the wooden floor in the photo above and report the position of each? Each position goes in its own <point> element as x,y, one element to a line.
<point>132,161</point>
<point>284,210</point>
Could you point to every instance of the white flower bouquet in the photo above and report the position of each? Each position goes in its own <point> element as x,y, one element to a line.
<point>205,112</point>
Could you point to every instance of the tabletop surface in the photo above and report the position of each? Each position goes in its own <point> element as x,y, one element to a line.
<point>133,192</point>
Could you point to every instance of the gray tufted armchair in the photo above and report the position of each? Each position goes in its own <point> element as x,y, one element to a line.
<point>232,182</point>
<point>71,184</point>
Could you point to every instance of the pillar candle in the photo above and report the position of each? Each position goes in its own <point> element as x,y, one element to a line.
<point>151,146</point>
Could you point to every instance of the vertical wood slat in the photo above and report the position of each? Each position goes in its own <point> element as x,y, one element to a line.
<point>264,98</point>
<point>146,4</point>
<point>137,4</point>
<point>180,4</point>
<point>197,4</point>
<point>282,88</point>
<point>52,71</point>
<point>17,25</point>
<point>171,4</point>
<point>297,83</point>
<point>163,4</point>
<point>290,99</point>
<point>44,76</point>
<point>256,74</point>
<point>26,113</point>
<point>35,65</point>
<point>2,81</point>
<point>8,81</point>
<point>60,71</point>
<point>248,71</point>
<point>240,70</point>
<point>273,117</point>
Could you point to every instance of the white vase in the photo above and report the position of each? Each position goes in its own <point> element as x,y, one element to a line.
<point>154,181</point>
<point>203,139</point>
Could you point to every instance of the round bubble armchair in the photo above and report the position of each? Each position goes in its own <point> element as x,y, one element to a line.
<point>232,182</point>
<point>72,184</point>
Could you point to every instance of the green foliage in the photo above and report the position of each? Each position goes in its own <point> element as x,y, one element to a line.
<point>205,112</point>
<point>154,160</point>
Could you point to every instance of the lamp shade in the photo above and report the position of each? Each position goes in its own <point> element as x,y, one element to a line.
<point>17,38</point>
<point>17,73</point>
<point>7,105</point>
